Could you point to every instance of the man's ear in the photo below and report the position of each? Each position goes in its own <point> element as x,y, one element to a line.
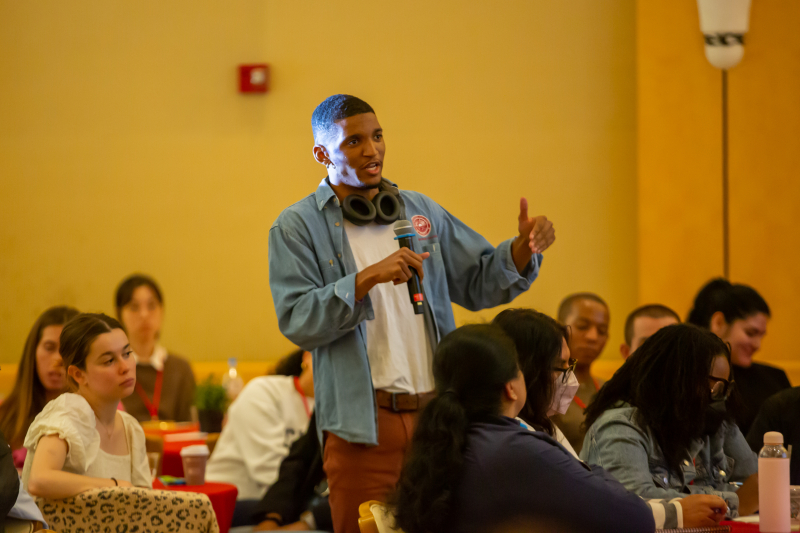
<point>321,155</point>
<point>718,325</point>
<point>625,350</point>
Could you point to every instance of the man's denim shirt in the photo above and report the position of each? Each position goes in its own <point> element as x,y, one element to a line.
<point>312,276</point>
<point>630,453</point>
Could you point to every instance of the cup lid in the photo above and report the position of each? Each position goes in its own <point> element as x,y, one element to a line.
<point>773,437</point>
<point>195,450</point>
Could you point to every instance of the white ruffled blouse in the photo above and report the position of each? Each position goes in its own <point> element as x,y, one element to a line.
<point>71,418</point>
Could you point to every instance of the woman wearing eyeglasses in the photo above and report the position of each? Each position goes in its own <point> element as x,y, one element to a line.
<point>661,425</point>
<point>545,362</point>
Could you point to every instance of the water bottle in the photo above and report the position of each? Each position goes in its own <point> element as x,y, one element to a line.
<point>232,381</point>
<point>773,485</point>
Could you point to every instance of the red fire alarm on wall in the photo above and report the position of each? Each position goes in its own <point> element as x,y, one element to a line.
<point>254,78</point>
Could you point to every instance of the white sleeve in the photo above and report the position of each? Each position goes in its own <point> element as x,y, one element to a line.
<point>71,418</point>
<point>257,425</point>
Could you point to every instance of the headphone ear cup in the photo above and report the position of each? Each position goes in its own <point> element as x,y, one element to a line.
<point>387,208</point>
<point>358,210</point>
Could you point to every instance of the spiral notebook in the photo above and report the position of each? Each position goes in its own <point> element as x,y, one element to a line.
<point>714,529</point>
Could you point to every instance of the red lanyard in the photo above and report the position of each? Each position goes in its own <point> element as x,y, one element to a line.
<point>152,407</point>
<point>302,395</point>
<point>579,402</point>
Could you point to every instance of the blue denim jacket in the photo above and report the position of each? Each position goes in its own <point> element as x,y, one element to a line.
<point>631,454</point>
<point>312,276</point>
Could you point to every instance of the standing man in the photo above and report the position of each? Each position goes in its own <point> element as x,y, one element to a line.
<point>587,316</point>
<point>338,283</point>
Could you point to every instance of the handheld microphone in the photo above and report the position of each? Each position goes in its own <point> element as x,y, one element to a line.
<point>405,231</point>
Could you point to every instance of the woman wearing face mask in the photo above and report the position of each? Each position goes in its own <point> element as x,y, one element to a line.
<point>544,358</point>
<point>473,467</point>
<point>543,348</point>
<point>660,425</point>
<point>738,315</point>
<point>40,378</point>
<point>165,382</point>
<point>80,441</point>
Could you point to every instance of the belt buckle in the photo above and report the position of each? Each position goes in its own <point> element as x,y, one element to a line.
<point>394,403</point>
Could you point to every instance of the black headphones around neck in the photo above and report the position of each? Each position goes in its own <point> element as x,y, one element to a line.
<point>386,208</point>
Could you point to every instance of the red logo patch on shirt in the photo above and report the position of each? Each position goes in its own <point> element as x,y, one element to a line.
<point>422,225</point>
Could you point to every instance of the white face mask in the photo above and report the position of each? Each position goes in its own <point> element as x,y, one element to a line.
<point>563,394</point>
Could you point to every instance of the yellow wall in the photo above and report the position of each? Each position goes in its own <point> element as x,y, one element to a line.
<point>680,163</point>
<point>125,147</point>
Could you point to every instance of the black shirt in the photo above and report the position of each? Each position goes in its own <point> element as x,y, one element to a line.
<point>780,412</point>
<point>756,384</point>
<point>9,481</point>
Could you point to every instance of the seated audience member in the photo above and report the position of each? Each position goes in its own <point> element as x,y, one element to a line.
<point>40,378</point>
<point>643,322</point>
<point>543,351</point>
<point>544,358</point>
<point>587,317</point>
<point>80,440</point>
<point>738,315</point>
<point>661,427</point>
<point>473,467</point>
<point>780,412</point>
<point>269,414</point>
<point>291,503</point>
<point>164,382</point>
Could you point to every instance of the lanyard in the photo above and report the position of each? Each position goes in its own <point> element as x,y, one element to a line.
<point>152,407</point>
<point>302,395</point>
<point>579,402</point>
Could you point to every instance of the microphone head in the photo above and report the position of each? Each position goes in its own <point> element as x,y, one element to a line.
<point>402,227</point>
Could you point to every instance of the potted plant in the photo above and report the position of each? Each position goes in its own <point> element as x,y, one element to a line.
<point>211,400</point>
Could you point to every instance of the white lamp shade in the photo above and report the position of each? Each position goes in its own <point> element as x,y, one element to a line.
<point>724,23</point>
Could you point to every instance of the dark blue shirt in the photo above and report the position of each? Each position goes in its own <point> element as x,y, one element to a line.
<point>515,475</point>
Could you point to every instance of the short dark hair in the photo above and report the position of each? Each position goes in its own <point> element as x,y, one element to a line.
<point>649,310</point>
<point>79,334</point>
<point>291,365</point>
<point>130,284</point>
<point>566,304</point>
<point>735,301</point>
<point>333,108</point>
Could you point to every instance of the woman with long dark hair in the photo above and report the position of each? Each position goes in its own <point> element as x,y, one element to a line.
<point>661,424</point>
<point>739,315</point>
<point>472,466</point>
<point>543,350</point>
<point>40,378</point>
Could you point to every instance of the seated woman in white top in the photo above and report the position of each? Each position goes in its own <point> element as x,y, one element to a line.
<point>544,358</point>
<point>80,441</point>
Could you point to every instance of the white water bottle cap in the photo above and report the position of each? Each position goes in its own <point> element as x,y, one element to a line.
<point>773,437</point>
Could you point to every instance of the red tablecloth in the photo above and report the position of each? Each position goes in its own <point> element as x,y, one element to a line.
<point>222,496</point>
<point>171,462</point>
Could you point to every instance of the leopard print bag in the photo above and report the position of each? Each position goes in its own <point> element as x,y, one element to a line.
<point>130,510</point>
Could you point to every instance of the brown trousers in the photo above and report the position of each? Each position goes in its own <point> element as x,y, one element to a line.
<point>358,473</point>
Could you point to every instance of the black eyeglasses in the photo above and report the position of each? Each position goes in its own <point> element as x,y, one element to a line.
<point>721,389</point>
<point>566,371</point>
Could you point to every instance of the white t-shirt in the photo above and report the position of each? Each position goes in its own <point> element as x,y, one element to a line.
<point>263,423</point>
<point>400,356</point>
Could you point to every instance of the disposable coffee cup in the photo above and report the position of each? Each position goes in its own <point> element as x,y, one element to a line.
<point>194,459</point>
